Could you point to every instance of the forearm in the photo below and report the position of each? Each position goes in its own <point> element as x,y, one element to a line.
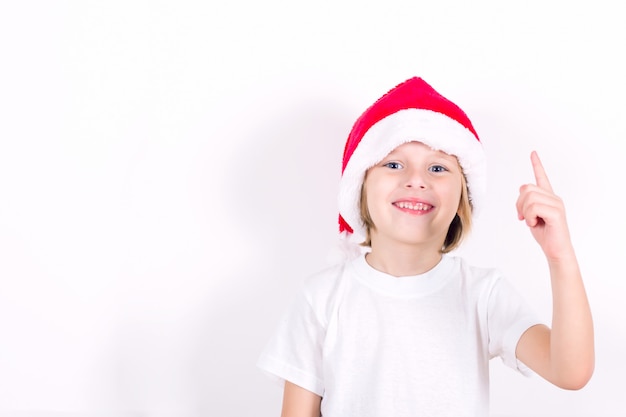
<point>571,340</point>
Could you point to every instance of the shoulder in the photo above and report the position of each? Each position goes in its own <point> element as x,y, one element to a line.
<point>490,286</point>
<point>324,282</point>
<point>478,278</point>
<point>474,272</point>
<point>322,289</point>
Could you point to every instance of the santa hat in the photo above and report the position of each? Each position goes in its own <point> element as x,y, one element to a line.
<point>412,111</point>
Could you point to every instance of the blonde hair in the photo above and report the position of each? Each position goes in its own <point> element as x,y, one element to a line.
<point>459,228</point>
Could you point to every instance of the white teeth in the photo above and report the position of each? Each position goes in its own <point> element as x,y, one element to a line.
<point>411,206</point>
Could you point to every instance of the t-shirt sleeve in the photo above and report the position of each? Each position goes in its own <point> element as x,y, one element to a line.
<point>509,316</point>
<point>294,353</point>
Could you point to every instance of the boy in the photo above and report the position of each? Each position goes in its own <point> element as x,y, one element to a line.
<point>405,329</point>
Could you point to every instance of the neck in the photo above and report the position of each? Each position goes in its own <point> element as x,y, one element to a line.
<point>400,260</point>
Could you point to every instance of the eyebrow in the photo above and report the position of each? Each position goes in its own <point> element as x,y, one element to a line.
<point>436,153</point>
<point>448,157</point>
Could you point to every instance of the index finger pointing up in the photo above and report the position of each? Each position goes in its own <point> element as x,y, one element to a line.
<point>540,174</point>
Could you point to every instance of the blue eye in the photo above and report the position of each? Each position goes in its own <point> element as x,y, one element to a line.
<point>437,168</point>
<point>393,165</point>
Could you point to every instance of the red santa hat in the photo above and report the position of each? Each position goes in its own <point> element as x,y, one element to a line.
<point>412,111</point>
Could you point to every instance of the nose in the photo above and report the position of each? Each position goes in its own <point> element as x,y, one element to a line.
<point>416,179</point>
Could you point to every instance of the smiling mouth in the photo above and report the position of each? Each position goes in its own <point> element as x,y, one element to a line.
<point>413,206</point>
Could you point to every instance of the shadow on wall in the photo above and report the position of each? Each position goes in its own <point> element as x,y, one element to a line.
<point>282,193</point>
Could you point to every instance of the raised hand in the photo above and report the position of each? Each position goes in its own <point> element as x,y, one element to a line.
<point>563,355</point>
<point>544,214</point>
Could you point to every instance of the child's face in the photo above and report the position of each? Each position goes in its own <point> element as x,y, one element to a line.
<point>413,195</point>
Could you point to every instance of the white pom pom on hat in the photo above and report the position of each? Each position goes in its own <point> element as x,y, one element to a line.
<point>411,111</point>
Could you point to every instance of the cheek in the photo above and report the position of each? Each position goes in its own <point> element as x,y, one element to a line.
<point>373,191</point>
<point>370,201</point>
<point>375,201</point>
<point>454,196</point>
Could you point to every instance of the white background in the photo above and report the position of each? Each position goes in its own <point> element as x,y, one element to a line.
<point>168,175</point>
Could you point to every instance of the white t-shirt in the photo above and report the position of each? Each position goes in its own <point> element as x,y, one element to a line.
<point>371,344</point>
